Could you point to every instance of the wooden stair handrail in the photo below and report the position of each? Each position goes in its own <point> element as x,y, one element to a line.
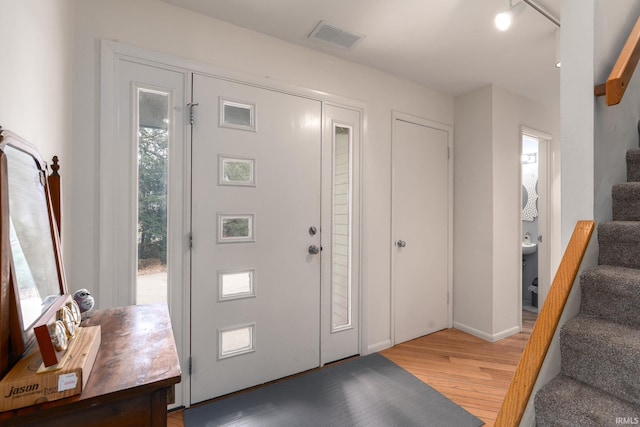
<point>545,327</point>
<point>623,69</point>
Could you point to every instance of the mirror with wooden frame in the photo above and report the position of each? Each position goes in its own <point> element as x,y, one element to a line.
<point>33,287</point>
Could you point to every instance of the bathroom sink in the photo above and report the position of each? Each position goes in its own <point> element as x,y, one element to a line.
<point>529,248</point>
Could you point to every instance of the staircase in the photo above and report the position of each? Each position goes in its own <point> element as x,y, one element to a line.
<point>599,382</point>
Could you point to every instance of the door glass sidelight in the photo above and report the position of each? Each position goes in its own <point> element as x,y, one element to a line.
<point>341,226</point>
<point>152,149</point>
<point>339,232</point>
<point>145,207</point>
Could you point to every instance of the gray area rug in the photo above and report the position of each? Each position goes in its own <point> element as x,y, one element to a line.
<point>367,391</point>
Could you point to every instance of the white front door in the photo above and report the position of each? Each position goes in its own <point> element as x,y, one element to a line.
<point>256,175</point>
<point>420,214</point>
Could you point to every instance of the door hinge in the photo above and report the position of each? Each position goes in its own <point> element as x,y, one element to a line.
<point>448,152</point>
<point>190,365</point>
<point>190,240</point>
<point>191,105</point>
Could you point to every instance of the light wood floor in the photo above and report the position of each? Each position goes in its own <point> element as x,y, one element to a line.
<point>471,372</point>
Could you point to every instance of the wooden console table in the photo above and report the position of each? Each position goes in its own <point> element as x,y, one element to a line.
<point>132,380</point>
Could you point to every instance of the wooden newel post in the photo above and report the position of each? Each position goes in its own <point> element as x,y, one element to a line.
<point>55,192</point>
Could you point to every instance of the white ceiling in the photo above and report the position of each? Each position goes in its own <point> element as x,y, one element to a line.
<point>448,45</point>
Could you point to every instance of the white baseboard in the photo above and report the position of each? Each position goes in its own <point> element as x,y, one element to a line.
<point>473,331</point>
<point>374,348</point>
<point>506,333</point>
<point>484,335</point>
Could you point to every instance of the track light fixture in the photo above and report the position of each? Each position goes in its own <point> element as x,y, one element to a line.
<point>505,18</point>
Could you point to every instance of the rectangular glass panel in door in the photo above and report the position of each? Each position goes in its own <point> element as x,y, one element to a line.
<point>153,142</point>
<point>341,227</point>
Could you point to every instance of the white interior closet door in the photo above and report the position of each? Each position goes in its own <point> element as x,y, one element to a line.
<point>420,215</point>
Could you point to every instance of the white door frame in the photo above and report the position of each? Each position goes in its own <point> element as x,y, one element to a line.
<point>544,188</point>
<point>396,115</point>
<point>117,269</point>
<point>113,282</point>
<point>328,140</point>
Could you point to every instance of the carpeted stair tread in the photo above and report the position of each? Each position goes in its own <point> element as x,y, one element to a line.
<point>599,384</point>
<point>633,165</point>
<point>567,402</point>
<point>603,354</point>
<point>612,293</point>
<point>619,243</point>
<point>626,201</point>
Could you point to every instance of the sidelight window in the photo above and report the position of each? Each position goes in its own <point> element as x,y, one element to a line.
<point>153,133</point>
<point>341,229</point>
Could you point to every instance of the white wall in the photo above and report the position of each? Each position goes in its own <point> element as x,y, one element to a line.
<point>577,82</point>
<point>473,213</point>
<point>510,113</point>
<point>162,27</point>
<point>615,126</point>
<point>487,214</point>
<point>36,75</point>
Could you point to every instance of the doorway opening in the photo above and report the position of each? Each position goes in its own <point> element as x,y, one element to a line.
<point>530,229</point>
<point>535,278</point>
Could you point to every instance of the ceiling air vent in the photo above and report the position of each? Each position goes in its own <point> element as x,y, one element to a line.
<point>329,33</point>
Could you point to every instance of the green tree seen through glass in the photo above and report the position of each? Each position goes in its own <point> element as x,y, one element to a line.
<point>152,194</point>
<point>235,227</point>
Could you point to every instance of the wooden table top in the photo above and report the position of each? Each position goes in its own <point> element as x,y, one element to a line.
<point>137,354</point>
<point>137,350</point>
